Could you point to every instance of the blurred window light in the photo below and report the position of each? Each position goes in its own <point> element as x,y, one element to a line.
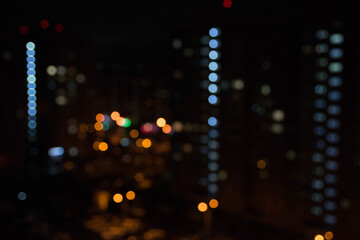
<point>332,151</point>
<point>335,67</point>
<point>320,89</point>
<point>316,210</point>
<point>317,184</point>
<point>56,151</point>
<point>334,109</point>
<point>336,38</point>
<point>213,66</point>
<point>335,81</point>
<point>320,103</point>
<point>330,192</point>
<point>332,165</point>
<point>212,99</point>
<point>213,55</point>
<point>212,121</point>
<point>321,48</point>
<point>319,130</point>
<point>213,77</point>
<point>213,88</point>
<point>330,219</point>
<point>334,95</point>
<point>333,123</point>
<point>322,34</point>
<point>213,43</point>
<point>333,137</point>
<point>330,205</point>
<point>336,53</point>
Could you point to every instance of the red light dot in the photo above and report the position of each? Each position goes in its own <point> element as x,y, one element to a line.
<point>23,29</point>
<point>227,3</point>
<point>44,24</point>
<point>59,27</point>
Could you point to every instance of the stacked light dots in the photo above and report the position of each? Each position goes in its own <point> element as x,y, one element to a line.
<point>213,99</point>
<point>31,86</point>
<point>329,54</point>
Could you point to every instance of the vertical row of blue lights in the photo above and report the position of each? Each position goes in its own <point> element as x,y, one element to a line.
<point>31,91</point>
<point>213,122</point>
<point>329,53</point>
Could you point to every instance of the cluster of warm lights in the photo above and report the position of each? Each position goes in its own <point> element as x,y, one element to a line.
<point>118,198</point>
<point>328,236</point>
<point>102,146</point>
<point>203,207</point>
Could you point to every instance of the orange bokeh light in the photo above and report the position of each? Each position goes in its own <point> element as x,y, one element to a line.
<point>166,129</point>
<point>100,117</point>
<point>115,115</point>
<point>103,146</point>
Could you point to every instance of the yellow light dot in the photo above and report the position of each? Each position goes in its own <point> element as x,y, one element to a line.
<point>134,133</point>
<point>139,177</point>
<point>115,115</point>
<point>213,203</point>
<point>318,237</point>
<point>329,235</point>
<point>261,164</point>
<point>139,142</point>
<point>103,146</point>
<point>98,126</point>
<point>83,127</point>
<point>130,195</point>
<point>166,129</point>
<point>202,207</point>
<point>146,143</point>
<point>120,121</point>
<point>118,198</point>
<point>161,122</point>
<point>100,117</point>
<point>96,145</point>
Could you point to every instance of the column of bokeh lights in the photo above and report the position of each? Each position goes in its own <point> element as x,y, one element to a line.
<point>31,91</point>
<point>329,54</point>
<point>213,121</point>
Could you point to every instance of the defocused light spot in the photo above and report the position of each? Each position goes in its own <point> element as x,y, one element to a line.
<point>178,126</point>
<point>96,145</point>
<point>139,177</point>
<point>21,196</point>
<point>59,27</point>
<point>100,117</point>
<point>103,146</point>
<point>83,127</point>
<point>98,126</point>
<point>134,133</point>
<point>130,195</point>
<point>278,115</point>
<point>124,142</point>
<point>336,38</point>
<point>115,115</point>
<point>265,90</point>
<point>261,164</point>
<point>166,129</point>
<point>118,198</point>
<point>202,207</point>
<point>212,99</point>
<point>318,237</point>
<point>213,43</point>
<point>212,121</point>
<point>139,142</point>
<point>214,32</point>
<point>80,78</point>
<point>227,3</point>
<point>146,143</point>
<point>177,43</point>
<point>23,29</point>
<point>56,151</point>
<point>160,122</point>
<point>238,84</point>
<point>213,77</point>
<point>213,203</point>
<point>127,123</point>
<point>329,235</point>
<point>44,24</point>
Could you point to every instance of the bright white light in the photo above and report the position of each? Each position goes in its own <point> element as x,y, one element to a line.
<point>30,46</point>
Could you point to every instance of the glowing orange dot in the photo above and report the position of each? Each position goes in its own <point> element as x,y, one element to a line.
<point>120,121</point>
<point>139,142</point>
<point>103,146</point>
<point>213,203</point>
<point>329,235</point>
<point>130,195</point>
<point>100,117</point>
<point>202,207</point>
<point>134,133</point>
<point>115,115</point>
<point>166,129</point>
<point>118,198</point>
<point>83,127</point>
<point>98,126</point>
<point>161,122</point>
<point>96,145</point>
<point>146,143</point>
<point>318,237</point>
<point>261,164</point>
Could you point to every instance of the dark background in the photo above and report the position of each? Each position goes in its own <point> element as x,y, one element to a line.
<point>126,52</point>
